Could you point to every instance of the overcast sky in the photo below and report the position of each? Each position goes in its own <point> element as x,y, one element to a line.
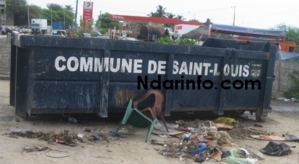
<point>250,13</point>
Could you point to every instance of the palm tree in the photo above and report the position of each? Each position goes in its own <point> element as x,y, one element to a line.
<point>69,8</point>
<point>208,22</point>
<point>160,12</point>
<point>170,15</point>
<point>180,17</point>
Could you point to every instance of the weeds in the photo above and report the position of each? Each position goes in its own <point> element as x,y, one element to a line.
<point>293,91</point>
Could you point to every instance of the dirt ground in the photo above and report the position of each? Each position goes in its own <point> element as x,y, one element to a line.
<point>132,148</point>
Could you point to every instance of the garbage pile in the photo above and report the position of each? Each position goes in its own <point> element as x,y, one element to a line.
<point>65,137</point>
<point>204,140</point>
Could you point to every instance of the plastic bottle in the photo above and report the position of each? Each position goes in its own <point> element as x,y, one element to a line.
<point>201,147</point>
<point>82,138</point>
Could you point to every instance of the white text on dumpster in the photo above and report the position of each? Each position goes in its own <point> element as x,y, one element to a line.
<point>123,65</point>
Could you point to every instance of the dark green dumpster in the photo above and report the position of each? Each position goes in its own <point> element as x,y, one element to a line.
<point>51,75</point>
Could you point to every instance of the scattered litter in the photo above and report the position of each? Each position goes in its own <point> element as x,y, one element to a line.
<point>200,158</point>
<point>97,137</point>
<point>281,98</point>
<point>87,130</point>
<point>17,119</point>
<point>285,137</point>
<point>227,120</point>
<point>41,148</point>
<point>221,126</point>
<point>65,137</point>
<point>72,119</point>
<point>237,156</point>
<point>171,127</point>
<point>276,149</point>
<point>35,148</point>
<point>28,149</point>
<point>201,147</point>
<point>82,138</point>
<point>286,99</point>
<point>257,125</point>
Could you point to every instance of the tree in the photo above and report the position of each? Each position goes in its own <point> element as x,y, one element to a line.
<point>170,15</point>
<point>58,14</point>
<point>291,34</point>
<point>104,22</point>
<point>160,12</point>
<point>69,8</point>
<point>35,11</point>
<point>180,17</point>
<point>55,7</point>
<point>19,10</point>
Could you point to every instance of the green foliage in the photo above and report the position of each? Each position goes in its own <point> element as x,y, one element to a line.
<point>103,31</point>
<point>104,22</point>
<point>291,32</point>
<point>20,10</point>
<point>81,31</point>
<point>168,40</point>
<point>294,90</point>
<point>58,14</point>
<point>160,12</point>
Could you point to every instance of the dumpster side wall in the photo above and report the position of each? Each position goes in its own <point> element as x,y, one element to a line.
<point>59,75</point>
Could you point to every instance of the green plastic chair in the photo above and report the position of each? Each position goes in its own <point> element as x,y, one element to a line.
<point>137,119</point>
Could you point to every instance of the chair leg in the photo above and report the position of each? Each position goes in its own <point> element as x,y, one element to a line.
<point>150,110</point>
<point>160,114</point>
<point>115,133</point>
<point>149,132</point>
<point>123,122</point>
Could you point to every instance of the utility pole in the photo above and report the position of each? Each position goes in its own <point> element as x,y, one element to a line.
<point>234,15</point>
<point>28,16</point>
<point>51,18</point>
<point>100,19</point>
<point>76,13</point>
<point>1,16</point>
<point>64,20</point>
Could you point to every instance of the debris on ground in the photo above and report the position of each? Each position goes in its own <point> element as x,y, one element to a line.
<point>34,148</point>
<point>227,120</point>
<point>287,100</point>
<point>276,149</point>
<point>65,137</point>
<point>284,137</point>
<point>237,156</point>
<point>203,140</point>
<point>72,119</point>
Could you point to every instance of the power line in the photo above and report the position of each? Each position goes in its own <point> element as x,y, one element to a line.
<point>200,11</point>
<point>261,15</point>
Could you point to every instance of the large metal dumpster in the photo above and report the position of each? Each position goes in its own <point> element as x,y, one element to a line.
<point>89,75</point>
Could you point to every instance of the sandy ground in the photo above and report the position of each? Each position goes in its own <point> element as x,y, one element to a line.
<point>132,148</point>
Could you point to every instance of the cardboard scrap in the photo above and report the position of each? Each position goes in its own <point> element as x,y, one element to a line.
<point>221,125</point>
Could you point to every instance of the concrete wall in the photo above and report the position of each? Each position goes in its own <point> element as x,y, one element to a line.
<point>282,80</point>
<point>4,57</point>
